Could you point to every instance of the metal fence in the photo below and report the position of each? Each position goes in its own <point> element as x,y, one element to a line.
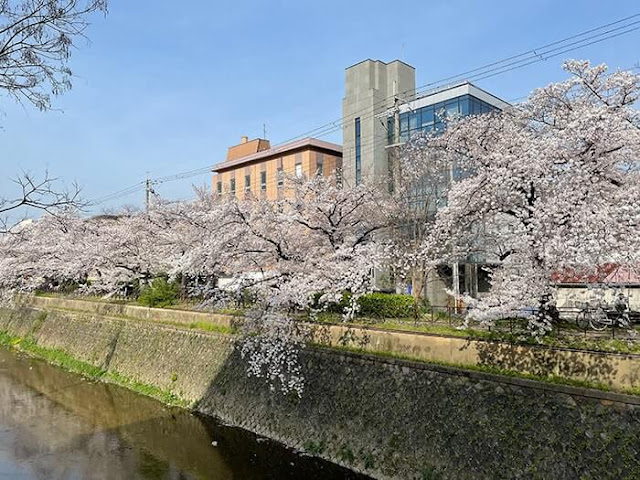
<point>564,322</point>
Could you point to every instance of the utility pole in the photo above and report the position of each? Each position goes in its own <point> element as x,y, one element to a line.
<point>148,192</point>
<point>148,195</point>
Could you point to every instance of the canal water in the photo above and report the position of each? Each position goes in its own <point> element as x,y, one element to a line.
<point>57,425</point>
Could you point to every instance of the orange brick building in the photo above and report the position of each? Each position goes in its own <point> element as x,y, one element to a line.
<point>254,168</point>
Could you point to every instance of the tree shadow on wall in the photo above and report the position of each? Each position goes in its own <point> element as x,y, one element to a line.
<point>544,361</point>
<point>250,403</point>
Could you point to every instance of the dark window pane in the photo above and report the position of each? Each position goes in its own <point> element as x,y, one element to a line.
<point>451,107</point>
<point>414,121</point>
<point>438,109</point>
<point>464,105</point>
<point>475,107</point>
<point>427,116</point>
<point>319,164</point>
<point>358,152</point>
<point>404,122</point>
<point>390,130</point>
<point>404,127</point>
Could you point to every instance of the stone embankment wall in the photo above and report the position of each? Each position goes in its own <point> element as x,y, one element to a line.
<point>617,371</point>
<point>388,418</point>
<point>170,358</point>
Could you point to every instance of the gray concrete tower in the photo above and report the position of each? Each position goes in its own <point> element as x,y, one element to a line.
<point>371,87</point>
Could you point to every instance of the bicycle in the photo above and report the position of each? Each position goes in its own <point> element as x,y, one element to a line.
<point>593,316</point>
<point>599,317</point>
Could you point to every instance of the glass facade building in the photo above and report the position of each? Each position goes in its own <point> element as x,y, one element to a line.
<point>427,194</point>
<point>433,117</point>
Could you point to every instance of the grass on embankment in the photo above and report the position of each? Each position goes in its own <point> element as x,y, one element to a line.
<point>202,326</point>
<point>551,379</point>
<point>609,345</point>
<point>67,362</point>
<point>180,305</point>
<point>577,340</point>
<point>409,325</point>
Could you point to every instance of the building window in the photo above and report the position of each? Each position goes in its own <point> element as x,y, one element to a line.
<point>433,117</point>
<point>247,183</point>
<point>451,108</point>
<point>232,186</point>
<point>358,153</point>
<point>263,181</point>
<point>219,187</point>
<point>464,105</point>
<point>298,170</point>
<point>414,122</point>
<point>319,164</point>
<point>404,127</point>
<point>428,118</point>
<point>280,176</point>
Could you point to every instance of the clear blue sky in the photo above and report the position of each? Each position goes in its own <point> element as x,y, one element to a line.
<point>165,88</point>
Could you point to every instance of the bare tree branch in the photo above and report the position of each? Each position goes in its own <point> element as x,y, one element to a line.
<point>40,194</point>
<point>36,39</point>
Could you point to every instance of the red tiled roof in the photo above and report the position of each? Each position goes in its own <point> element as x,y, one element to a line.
<point>609,273</point>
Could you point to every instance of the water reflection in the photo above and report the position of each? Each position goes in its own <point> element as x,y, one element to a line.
<point>57,425</point>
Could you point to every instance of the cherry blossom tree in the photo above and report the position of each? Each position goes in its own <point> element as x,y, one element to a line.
<point>305,251</point>
<point>295,255</point>
<point>548,185</point>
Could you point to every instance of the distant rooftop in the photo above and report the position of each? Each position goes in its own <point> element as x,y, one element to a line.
<point>380,61</point>
<point>279,151</point>
<point>247,147</point>
<point>447,92</point>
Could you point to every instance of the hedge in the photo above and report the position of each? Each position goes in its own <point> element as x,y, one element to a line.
<point>376,305</point>
<point>387,305</point>
<point>160,293</point>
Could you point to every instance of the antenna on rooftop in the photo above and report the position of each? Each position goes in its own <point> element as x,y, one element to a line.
<point>264,131</point>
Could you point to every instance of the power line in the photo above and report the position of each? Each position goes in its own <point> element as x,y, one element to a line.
<point>119,194</point>
<point>381,106</point>
<point>492,69</point>
<point>532,54</point>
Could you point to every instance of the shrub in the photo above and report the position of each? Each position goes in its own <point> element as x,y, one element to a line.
<point>332,307</point>
<point>387,305</point>
<point>376,305</point>
<point>160,293</point>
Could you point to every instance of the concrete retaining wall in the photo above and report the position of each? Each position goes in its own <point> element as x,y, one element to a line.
<point>130,311</point>
<point>182,361</point>
<point>389,418</point>
<point>618,371</point>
